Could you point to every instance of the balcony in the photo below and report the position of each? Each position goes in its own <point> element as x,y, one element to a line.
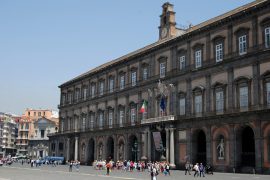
<point>158,119</point>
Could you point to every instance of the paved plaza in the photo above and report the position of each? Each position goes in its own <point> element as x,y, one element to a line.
<point>25,172</point>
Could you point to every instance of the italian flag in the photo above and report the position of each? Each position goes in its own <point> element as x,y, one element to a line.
<point>143,108</point>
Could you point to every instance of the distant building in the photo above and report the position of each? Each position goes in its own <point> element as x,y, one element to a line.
<point>7,135</point>
<point>33,135</point>
<point>39,143</point>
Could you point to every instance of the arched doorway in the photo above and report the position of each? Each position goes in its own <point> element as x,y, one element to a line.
<point>133,148</point>
<point>248,147</point>
<point>199,147</point>
<point>91,152</point>
<point>110,149</point>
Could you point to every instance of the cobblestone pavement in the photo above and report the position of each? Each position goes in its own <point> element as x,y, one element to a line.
<point>25,172</point>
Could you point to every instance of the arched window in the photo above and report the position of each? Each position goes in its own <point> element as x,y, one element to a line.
<point>219,94</point>
<point>182,104</point>
<point>121,116</point>
<point>198,100</point>
<point>243,92</point>
<point>242,38</point>
<point>133,113</point>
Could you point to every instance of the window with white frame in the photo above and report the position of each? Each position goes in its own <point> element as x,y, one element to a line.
<point>101,120</point>
<point>111,85</point>
<point>121,117</point>
<point>70,97</point>
<point>182,106</point>
<point>268,93</point>
<point>122,82</point>
<point>162,69</point>
<point>145,73</point>
<point>198,58</point>
<point>63,99</point>
<point>219,101</point>
<point>133,115</point>
<point>133,78</point>
<point>77,95</point>
<point>243,97</point>
<point>182,62</point>
<point>110,118</point>
<point>242,44</point>
<point>198,104</point>
<point>84,93</point>
<point>101,88</point>
<point>267,37</point>
<point>93,90</point>
<point>92,119</point>
<point>83,122</point>
<point>219,52</point>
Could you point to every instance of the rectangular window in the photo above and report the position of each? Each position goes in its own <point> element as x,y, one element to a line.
<point>42,133</point>
<point>62,126</point>
<point>162,69</point>
<point>242,44</point>
<point>145,73</point>
<point>182,106</point>
<point>219,52</point>
<point>219,101</point>
<point>70,97</point>
<point>92,118</point>
<point>35,113</point>
<point>63,99</point>
<point>84,94</point>
<point>268,93</point>
<point>101,88</point>
<point>111,85</point>
<point>182,62</point>
<point>243,95</point>
<point>101,120</point>
<point>267,37</point>
<point>83,123</point>
<point>93,91</point>
<point>110,119</point>
<point>122,82</point>
<point>133,78</point>
<point>198,104</point>
<point>198,59</point>
<point>132,116</point>
<point>77,95</point>
<point>121,118</point>
<point>39,114</point>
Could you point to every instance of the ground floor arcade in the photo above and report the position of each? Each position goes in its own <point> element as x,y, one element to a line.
<point>229,144</point>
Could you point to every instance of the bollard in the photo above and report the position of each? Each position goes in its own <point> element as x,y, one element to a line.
<point>234,170</point>
<point>254,172</point>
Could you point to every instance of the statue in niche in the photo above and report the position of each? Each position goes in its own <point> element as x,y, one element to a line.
<point>121,151</point>
<point>100,150</point>
<point>221,149</point>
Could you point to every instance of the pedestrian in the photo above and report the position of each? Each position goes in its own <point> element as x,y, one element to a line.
<point>70,166</point>
<point>196,169</point>
<point>187,168</point>
<point>155,173</point>
<point>201,169</point>
<point>167,169</point>
<point>108,166</point>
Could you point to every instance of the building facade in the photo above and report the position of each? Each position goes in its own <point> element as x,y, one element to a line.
<point>205,92</point>
<point>31,135</point>
<point>7,135</point>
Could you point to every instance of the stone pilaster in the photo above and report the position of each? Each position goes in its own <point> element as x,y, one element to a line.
<point>172,158</point>
<point>76,148</point>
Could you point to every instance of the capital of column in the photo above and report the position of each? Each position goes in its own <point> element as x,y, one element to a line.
<point>76,138</point>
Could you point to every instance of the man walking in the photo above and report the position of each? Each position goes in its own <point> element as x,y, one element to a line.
<point>187,168</point>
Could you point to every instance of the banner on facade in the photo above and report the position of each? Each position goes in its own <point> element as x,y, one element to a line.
<point>157,140</point>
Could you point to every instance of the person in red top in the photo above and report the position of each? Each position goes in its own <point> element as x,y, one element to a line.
<point>108,166</point>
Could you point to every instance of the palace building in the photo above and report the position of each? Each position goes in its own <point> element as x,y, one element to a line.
<point>200,94</point>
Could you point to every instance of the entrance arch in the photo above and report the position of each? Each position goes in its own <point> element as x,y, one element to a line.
<point>133,148</point>
<point>247,147</point>
<point>199,147</point>
<point>91,152</point>
<point>110,148</point>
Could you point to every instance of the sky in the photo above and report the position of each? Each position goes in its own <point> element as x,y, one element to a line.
<point>46,43</point>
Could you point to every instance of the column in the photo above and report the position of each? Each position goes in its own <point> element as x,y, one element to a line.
<point>167,144</point>
<point>172,163</point>
<point>68,149</point>
<point>149,145</point>
<point>76,148</point>
<point>144,143</point>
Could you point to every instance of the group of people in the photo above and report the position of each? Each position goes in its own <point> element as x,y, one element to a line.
<point>199,169</point>
<point>75,164</point>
